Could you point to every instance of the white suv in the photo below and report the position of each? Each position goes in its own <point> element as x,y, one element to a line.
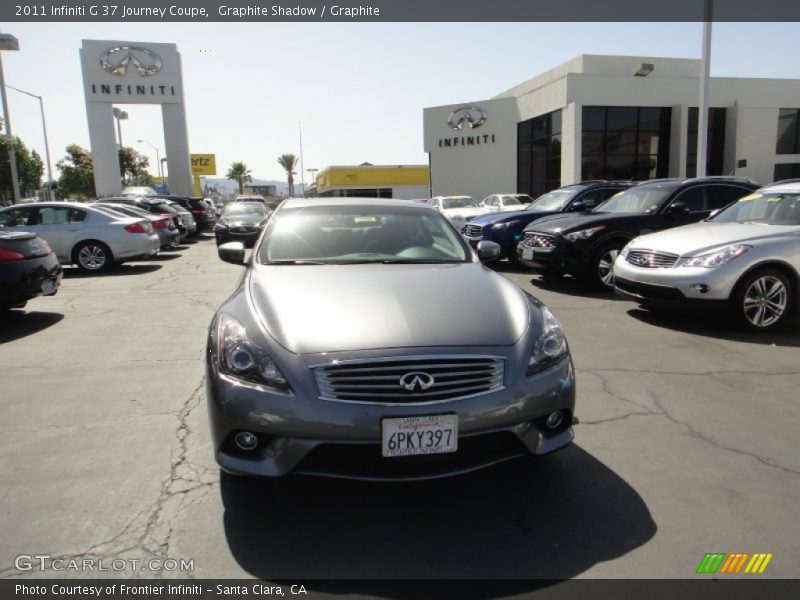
<point>746,258</point>
<point>80,234</point>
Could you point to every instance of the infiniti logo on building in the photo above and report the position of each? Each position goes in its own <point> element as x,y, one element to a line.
<point>417,381</point>
<point>117,60</point>
<point>474,116</point>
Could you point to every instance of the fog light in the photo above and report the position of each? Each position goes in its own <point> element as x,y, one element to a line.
<point>246,441</point>
<point>554,419</point>
<point>699,288</point>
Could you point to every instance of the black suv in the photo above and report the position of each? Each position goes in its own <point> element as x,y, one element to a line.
<point>505,228</point>
<point>586,245</point>
<point>203,214</point>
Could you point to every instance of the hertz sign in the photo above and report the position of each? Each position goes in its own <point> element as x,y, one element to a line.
<point>203,164</point>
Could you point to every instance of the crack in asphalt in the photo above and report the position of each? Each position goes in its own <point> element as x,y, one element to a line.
<point>150,531</point>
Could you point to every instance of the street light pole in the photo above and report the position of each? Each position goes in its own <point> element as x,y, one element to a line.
<point>9,42</point>
<point>702,110</point>
<point>46,144</point>
<point>119,115</point>
<point>158,158</point>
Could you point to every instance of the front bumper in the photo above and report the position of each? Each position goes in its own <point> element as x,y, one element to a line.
<point>301,433</point>
<point>691,287</point>
<point>561,258</point>
<point>248,238</point>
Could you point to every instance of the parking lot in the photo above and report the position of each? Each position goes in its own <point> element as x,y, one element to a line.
<point>687,444</point>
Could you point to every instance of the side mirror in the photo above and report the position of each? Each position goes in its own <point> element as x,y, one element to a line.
<point>232,252</point>
<point>679,208</point>
<point>578,206</point>
<point>488,251</point>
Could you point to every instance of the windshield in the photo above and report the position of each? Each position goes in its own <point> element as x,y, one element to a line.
<point>241,209</point>
<point>514,200</point>
<point>555,200</point>
<point>358,234</point>
<point>642,200</point>
<point>111,211</point>
<point>459,202</point>
<point>768,209</point>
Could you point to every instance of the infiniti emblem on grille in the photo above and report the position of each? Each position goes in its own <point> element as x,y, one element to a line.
<point>640,260</point>
<point>416,381</point>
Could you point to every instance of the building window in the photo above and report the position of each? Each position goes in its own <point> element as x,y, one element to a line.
<point>787,171</point>
<point>625,142</point>
<point>715,141</point>
<point>788,131</point>
<point>539,154</point>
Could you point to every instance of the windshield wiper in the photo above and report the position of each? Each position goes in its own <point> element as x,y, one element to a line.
<point>414,261</point>
<point>296,262</point>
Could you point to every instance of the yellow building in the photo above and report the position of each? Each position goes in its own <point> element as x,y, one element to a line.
<point>375,181</point>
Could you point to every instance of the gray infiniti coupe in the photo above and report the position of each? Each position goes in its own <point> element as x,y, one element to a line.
<point>366,340</point>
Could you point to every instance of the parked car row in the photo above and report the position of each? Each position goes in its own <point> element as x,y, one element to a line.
<point>37,239</point>
<point>242,221</point>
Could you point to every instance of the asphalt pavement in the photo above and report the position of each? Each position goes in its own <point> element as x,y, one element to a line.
<point>687,444</point>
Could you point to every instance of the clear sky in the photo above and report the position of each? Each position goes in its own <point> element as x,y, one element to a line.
<point>358,89</point>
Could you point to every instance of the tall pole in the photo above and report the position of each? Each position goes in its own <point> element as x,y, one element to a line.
<point>702,110</point>
<point>119,132</point>
<point>12,157</point>
<point>302,177</point>
<point>44,131</point>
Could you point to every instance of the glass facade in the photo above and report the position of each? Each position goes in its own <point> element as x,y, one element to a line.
<point>788,131</point>
<point>715,142</point>
<point>787,171</point>
<point>625,142</point>
<point>539,154</point>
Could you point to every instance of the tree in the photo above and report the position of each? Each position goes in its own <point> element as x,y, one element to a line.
<point>30,169</point>
<point>133,167</point>
<point>77,174</point>
<point>240,173</point>
<point>288,162</point>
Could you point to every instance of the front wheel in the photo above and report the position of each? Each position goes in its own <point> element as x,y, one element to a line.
<point>603,265</point>
<point>93,257</point>
<point>763,300</point>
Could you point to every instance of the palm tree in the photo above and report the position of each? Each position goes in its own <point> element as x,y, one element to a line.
<point>239,172</point>
<point>288,162</point>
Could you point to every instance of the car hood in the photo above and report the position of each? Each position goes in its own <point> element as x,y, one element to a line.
<point>502,217</point>
<point>694,239</point>
<point>244,220</point>
<point>463,212</point>
<point>332,308</point>
<point>577,221</point>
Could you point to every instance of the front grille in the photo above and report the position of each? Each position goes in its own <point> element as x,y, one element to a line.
<point>243,229</point>
<point>441,378</point>
<point>651,259</point>
<point>473,230</point>
<point>539,240</point>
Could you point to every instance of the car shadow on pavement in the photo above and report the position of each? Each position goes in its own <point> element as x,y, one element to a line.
<point>574,287</point>
<point>16,324</point>
<point>547,518</point>
<point>719,326</point>
<point>165,255</point>
<point>125,269</point>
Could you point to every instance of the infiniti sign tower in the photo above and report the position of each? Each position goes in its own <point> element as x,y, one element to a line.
<point>117,72</point>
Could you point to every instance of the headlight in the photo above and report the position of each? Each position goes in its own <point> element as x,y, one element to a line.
<point>239,357</point>
<point>505,225</point>
<point>624,252</point>
<point>550,347</point>
<point>718,258</point>
<point>583,233</point>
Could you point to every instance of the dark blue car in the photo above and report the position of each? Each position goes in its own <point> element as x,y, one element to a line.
<point>505,228</point>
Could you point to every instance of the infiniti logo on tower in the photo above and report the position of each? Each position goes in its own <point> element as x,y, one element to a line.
<point>416,381</point>
<point>474,116</point>
<point>117,60</point>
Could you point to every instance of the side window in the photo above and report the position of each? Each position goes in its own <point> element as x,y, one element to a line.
<point>76,215</point>
<point>593,197</point>
<point>58,215</point>
<point>694,198</point>
<point>18,217</point>
<point>719,196</point>
<point>491,201</point>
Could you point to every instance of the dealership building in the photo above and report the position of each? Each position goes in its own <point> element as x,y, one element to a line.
<point>615,118</point>
<point>366,180</point>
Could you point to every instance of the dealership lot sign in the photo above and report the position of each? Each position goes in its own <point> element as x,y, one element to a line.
<point>121,72</point>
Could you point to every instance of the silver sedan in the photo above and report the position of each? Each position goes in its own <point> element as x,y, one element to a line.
<point>366,340</point>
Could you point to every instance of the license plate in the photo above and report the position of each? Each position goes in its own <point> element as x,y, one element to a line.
<point>527,253</point>
<point>48,287</point>
<point>410,436</point>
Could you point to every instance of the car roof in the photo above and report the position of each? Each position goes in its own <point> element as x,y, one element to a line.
<point>782,187</point>
<point>52,204</point>
<point>348,201</point>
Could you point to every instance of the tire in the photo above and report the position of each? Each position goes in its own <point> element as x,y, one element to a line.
<point>763,300</point>
<point>550,275</point>
<point>92,257</point>
<point>602,273</point>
